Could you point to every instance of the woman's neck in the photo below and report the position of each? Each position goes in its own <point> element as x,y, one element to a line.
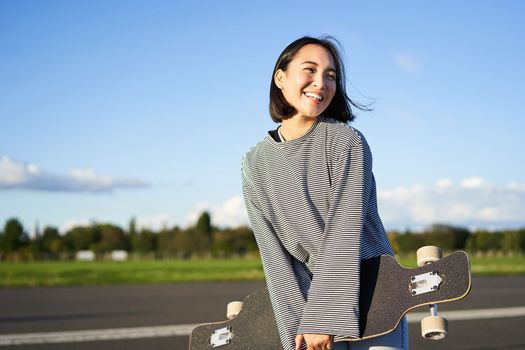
<point>295,127</point>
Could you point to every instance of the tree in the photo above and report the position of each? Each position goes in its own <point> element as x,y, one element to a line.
<point>36,242</point>
<point>521,233</point>
<point>48,236</point>
<point>14,236</point>
<point>185,243</point>
<point>408,241</point>
<point>111,238</point>
<point>51,242</point>
<point>82,237</point>
<point>513,241</point>
<point>393,238</point>
<point>197,239</point>
<point>167,241</point>
<point>447,237</point>
<point>484,241</point>
<point>132,227</point>
<point>230,241</point>
<point>204,223</point>
<point>145,242</point>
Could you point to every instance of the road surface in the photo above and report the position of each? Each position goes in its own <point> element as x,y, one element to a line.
<point>161,316</point>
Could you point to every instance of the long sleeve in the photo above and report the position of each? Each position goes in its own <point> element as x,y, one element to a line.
<point>286,277</point>
<point>312,206</point>
<point>333,298</point>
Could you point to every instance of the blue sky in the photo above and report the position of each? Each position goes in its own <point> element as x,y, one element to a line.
<point>113,109</point>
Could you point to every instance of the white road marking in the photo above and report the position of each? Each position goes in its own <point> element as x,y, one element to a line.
<point>96,335</point>
<point>185,329</point>
<point>463,315</point>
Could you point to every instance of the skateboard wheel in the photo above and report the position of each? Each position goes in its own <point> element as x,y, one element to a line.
<point>233,309</point>
<point>428,254</point>
<point>434,327</point>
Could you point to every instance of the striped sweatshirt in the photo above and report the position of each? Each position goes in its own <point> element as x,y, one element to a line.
<point>313,209</point>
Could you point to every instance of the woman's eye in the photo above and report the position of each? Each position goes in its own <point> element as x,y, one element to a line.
<point>309,69</point>
<point>331,77</point>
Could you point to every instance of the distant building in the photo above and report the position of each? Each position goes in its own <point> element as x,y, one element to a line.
<point>119,255</point>
<point>85,255</point>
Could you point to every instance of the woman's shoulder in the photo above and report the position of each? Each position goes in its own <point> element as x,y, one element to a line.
<point>253,153</point>
<point>342,133</point>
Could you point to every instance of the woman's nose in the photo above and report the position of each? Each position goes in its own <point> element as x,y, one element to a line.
<point>319,82</point>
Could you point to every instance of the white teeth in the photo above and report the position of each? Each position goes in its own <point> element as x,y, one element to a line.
<point>316,96</point>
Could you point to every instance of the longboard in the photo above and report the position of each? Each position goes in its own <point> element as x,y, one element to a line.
<point>387,292</point>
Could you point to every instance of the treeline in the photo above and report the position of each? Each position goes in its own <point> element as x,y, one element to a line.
<point>451,238</point>
<point>205,240</point>
<point>202,239</point>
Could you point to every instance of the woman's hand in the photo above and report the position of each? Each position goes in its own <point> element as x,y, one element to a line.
<point>314,341</point>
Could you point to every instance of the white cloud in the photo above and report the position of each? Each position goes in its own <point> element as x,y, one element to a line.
<point>154,222</point>
<point>516,186</point>
<point>444,183</point>
<point>473,182</point>
<point>230,213</point>
<point>150,222</point>
<point>473,202</point>
<point>406,62</point>
<point>19,175</point>
<point>192,217</point>
<point>72,223</point>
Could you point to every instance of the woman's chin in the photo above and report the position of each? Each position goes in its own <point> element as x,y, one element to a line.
<point>313,112</point>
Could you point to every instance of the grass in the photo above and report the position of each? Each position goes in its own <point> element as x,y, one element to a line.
<point>499,266</point>
<point>36,274</point>
<point>484,266</point>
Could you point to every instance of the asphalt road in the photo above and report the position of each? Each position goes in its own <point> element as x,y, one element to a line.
<point>47,310</point>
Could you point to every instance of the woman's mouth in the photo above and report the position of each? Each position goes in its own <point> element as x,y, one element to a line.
<point>313,96</point>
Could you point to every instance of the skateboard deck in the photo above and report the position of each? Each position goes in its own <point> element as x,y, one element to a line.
<point>387,292</point>
<point>254,328</point>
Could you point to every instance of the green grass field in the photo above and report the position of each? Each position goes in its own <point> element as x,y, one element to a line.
<point>486,266</point>
<point>35,274</point>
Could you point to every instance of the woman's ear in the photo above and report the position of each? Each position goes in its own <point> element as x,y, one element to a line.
<point>278,78</point>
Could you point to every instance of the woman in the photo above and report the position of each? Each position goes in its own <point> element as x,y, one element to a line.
<point>311,198</point>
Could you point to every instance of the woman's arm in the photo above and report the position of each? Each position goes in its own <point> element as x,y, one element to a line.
<point>285,276</point>
<point>333,299</point>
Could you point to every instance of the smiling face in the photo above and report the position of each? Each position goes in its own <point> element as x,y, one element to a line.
<point>309,82</point>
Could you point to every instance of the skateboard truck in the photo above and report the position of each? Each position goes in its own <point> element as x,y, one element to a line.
<point>223,336</point>
<point>433,327</point>
<point>220,337</point>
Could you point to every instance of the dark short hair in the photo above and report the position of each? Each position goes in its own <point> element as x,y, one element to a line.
<point>340,107</point>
